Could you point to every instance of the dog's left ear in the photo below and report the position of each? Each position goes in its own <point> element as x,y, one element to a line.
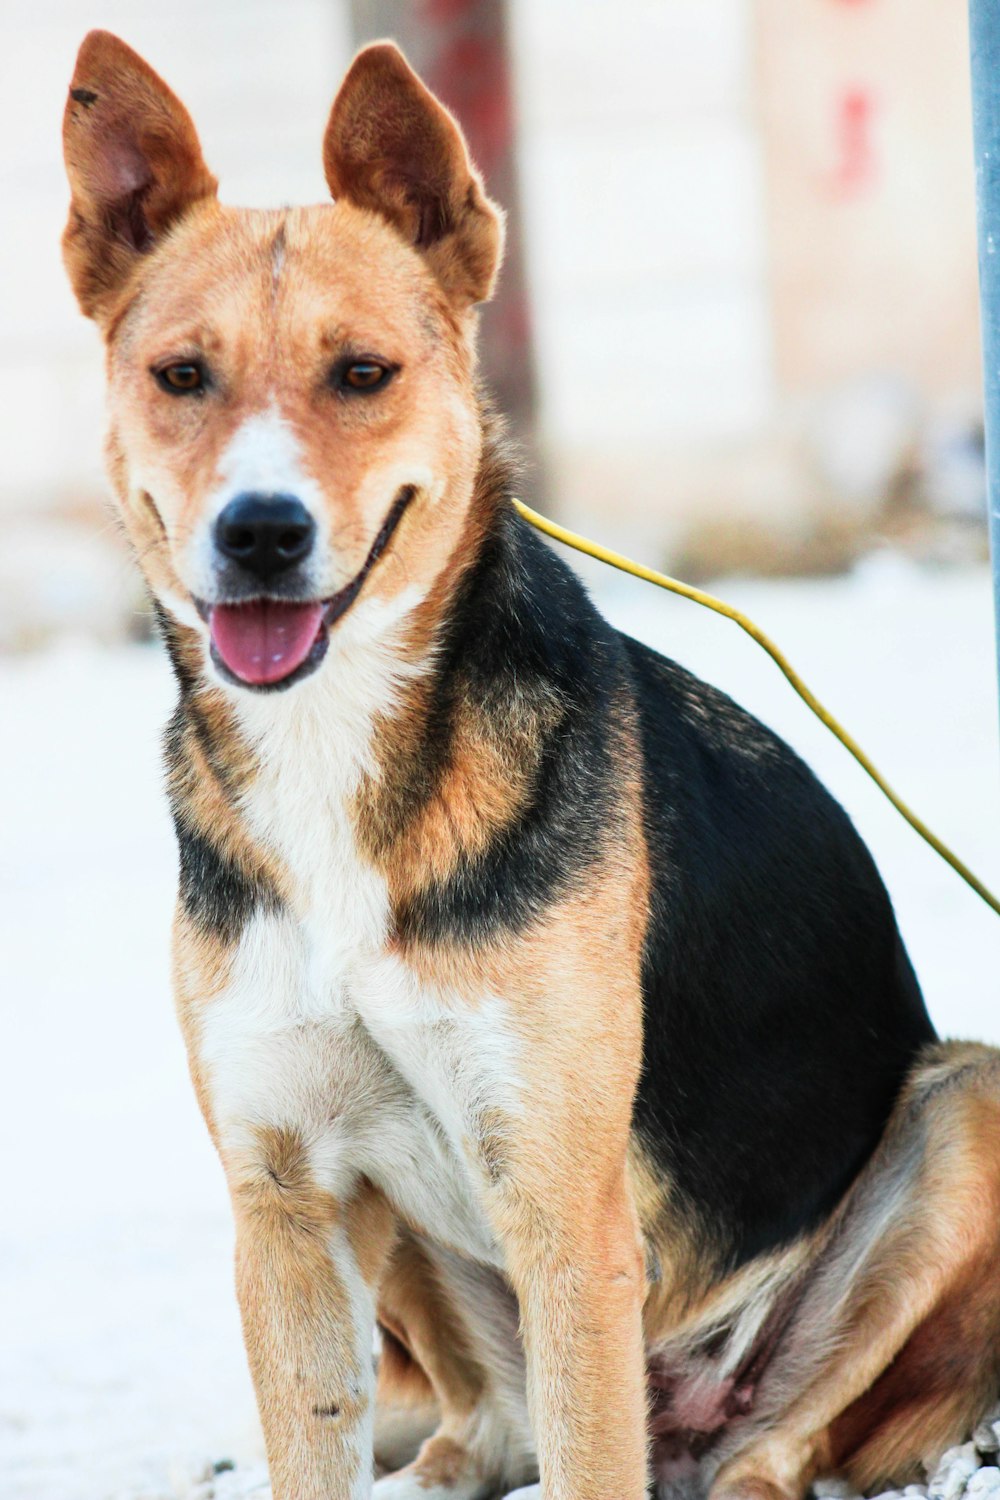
<point>134,166</point>
<point>391,147</point>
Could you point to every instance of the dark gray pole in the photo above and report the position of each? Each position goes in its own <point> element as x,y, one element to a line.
<point>984,32</point>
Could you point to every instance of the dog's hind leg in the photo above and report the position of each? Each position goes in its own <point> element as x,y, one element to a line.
<point>451,1325</point>
<point>894,1349</point>
<point>406,1409</point>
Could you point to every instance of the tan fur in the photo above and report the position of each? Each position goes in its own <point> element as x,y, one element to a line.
<point>917,1405</point>
<point>211,789</point>
<point>482,789</point>
<point>911,1340</point>
<point>397,150</point>
<point>296,1312</point>
<point>124,133</point>
<point>406,1413</point>
<point>563,1204</point>
<point>419,1316</point>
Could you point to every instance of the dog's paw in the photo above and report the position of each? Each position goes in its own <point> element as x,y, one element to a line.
<point>400,1486</point>
<point>408,1484</point>
<point>403,1486</point>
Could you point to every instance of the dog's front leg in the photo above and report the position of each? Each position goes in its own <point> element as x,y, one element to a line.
<point>306,1274</point>
<point>312,1233</point>
<point>580,1283</point>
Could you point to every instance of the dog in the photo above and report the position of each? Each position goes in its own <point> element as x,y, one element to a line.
<point>544,1009</point>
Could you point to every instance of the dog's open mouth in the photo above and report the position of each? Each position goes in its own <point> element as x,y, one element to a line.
<point>271,643</point>
<point>265,641</point>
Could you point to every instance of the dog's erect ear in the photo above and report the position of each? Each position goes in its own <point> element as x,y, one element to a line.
<point>391,147</point>
<point>134,166</point>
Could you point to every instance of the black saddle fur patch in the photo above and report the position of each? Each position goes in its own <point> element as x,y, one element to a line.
<point>781,1013</point>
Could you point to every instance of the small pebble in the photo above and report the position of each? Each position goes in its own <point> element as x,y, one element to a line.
<point>248,1483</point>
<point>953,1473</point>
<point>960,1475</point>
<point>985,1481</point>
<point>987,1437</point>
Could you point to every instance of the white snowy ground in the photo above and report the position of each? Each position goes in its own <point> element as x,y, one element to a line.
<point>121,1371</point>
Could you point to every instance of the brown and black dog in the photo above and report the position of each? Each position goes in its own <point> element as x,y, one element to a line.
<point>541,1004</point>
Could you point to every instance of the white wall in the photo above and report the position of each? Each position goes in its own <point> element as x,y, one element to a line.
<point>643,201</point>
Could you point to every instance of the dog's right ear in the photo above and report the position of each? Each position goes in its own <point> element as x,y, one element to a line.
<point>134,166</point>
<point>393,148</point>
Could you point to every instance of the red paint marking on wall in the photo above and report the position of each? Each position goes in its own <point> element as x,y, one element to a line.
<point>856,167</point>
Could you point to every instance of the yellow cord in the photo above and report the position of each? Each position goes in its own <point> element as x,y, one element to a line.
<point>616,560</point>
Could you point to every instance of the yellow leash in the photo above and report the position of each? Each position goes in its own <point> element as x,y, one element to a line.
<point>616,560</point>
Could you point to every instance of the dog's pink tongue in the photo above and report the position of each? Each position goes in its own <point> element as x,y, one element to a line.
<point>266,640</point>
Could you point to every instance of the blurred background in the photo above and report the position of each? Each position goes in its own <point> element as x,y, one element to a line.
<point>736,336</point>
<point>739,313</point>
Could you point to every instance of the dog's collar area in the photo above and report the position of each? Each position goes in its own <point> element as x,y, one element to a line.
<point>332,609</point>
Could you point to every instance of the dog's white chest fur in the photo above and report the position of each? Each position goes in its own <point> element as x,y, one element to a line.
<point>320,1031</point>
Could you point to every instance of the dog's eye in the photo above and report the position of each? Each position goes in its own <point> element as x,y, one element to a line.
<point>181,379</point>
<point>361,375</point>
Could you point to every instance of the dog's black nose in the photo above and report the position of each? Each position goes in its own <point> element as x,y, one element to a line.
<point>266,534</point>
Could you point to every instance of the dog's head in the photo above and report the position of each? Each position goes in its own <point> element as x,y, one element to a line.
<point>291,393</point>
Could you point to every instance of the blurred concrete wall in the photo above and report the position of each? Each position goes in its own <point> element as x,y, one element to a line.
<point>749,238</point>
<point>865,123</point>
<point>750,227</point>
<point>644,197</point>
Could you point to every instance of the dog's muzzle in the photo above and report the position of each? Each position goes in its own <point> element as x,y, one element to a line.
<point>268,641</point>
